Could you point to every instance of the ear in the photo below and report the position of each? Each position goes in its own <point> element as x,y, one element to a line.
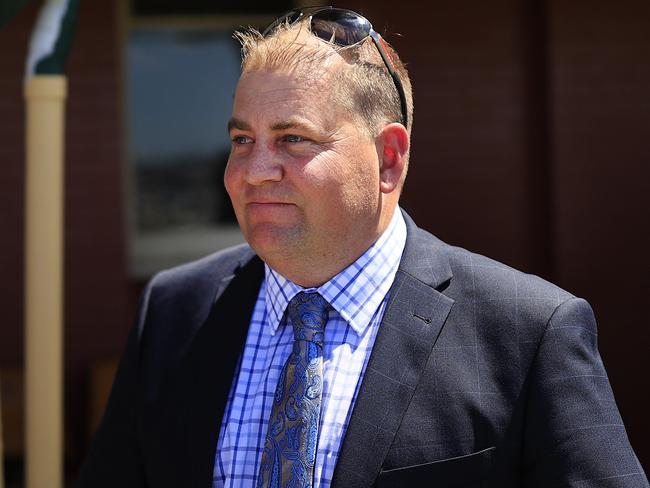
<point>393,144</point>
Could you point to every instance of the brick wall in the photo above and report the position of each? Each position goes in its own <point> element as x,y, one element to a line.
<point>96,283</point>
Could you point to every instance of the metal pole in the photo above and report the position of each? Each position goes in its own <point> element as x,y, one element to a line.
<point>45,96</point>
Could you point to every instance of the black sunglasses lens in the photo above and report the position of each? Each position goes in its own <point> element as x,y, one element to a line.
<point>340,27</point>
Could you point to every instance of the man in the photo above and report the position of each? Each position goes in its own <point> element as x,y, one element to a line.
<point>344,346</point>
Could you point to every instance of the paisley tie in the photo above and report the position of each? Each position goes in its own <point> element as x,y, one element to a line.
<point>290,447</point>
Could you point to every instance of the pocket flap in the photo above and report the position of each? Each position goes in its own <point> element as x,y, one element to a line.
<point>456,472</point>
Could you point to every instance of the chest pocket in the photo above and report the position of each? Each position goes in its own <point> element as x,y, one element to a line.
<point>469,471</point>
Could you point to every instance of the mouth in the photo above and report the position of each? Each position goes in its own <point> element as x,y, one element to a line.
<point>259,198</point>
<point>269,203</point>
<point>267,210</point>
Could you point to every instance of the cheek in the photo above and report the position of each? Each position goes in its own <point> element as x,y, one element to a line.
<point>349,194</point>
<point>340,183</point>
<point>230,179</point>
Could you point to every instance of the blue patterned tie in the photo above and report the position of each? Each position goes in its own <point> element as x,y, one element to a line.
<point>290,447</point>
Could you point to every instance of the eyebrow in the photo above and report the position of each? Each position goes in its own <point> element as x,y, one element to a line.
<point>288,124</point>
<point>235,123</point>
<point>291,123</point>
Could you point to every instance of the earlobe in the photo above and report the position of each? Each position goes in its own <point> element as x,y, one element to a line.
<point>394,152</point>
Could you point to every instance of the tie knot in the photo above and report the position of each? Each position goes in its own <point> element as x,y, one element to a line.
<point>308,312</point>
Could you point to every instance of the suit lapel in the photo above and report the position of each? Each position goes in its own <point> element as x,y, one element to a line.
<point>413,319</point>
<point>210,368</point>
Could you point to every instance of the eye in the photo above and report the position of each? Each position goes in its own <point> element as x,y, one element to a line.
<point>241,140</point>
<point>292,138</point>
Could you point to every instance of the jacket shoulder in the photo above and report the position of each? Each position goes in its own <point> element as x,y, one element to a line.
<point>487,276</point>
<point>185,294</point>
<point>490,287</point>
<point>211,268</point>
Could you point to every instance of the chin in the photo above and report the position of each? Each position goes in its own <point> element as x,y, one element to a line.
<point>270,241</point>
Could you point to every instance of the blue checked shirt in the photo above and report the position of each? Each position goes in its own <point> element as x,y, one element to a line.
<point>358,296</point>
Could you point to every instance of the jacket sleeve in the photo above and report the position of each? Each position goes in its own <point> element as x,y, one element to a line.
<point>115,457</point>
<point>574,434</point>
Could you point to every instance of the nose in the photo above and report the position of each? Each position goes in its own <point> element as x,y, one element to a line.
<point>263,166</point>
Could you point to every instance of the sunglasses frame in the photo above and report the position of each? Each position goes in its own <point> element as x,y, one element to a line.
<point>309,13</point>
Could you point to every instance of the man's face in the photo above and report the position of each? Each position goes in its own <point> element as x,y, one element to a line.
<point>303,178</point>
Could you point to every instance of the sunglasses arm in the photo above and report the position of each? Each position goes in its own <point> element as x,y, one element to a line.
<point>396,79</point>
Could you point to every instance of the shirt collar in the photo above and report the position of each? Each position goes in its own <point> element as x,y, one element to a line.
<point>357,291</point>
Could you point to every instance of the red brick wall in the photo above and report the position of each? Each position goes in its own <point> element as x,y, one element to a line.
<point>600,115</point>
<point>96,293</point>
<point>13,46</point>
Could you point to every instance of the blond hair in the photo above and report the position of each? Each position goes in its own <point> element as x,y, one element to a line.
<point>363,86</point>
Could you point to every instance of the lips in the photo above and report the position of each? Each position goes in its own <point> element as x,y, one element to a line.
<point>269,209</point>
<point>268,202</point>
<point>254,198</point>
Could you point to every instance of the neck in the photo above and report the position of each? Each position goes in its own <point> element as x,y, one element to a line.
<point>312,271</point>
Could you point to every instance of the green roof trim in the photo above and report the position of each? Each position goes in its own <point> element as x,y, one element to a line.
<point>52,37</point>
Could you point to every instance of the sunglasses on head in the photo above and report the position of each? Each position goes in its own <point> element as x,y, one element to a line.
<point>343,28</point>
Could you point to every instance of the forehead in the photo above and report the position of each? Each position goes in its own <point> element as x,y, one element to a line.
<point>272,95</point>
<point>279,84</point>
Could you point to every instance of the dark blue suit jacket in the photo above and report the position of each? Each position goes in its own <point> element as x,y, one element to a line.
<point>481,376</point>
